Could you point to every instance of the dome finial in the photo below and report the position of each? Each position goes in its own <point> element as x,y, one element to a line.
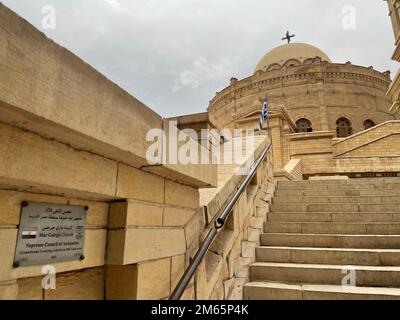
<point>288,37</point>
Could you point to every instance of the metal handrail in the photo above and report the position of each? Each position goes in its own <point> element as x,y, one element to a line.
<point>219,224</point>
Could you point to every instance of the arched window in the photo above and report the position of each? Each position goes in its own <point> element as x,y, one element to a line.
<point>304,125</point>
<point>368,124</point>
<point>343,128</point>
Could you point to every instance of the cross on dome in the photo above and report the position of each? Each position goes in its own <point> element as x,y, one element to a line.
<point>288,37</point>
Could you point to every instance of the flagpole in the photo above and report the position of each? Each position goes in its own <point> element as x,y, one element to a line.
<point>269,121</point>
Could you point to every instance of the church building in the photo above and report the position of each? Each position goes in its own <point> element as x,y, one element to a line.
<point>316,106</point>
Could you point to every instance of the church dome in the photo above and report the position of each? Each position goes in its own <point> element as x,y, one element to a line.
<point>293,53</point>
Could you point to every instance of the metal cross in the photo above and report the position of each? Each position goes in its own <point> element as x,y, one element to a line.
<point>288,37</point>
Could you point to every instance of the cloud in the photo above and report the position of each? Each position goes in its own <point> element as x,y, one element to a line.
<point>115,5</point>
<point>175,54</point>
<point>202,72</point>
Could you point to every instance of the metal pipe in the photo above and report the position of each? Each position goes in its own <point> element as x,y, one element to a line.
<point>224,215</point>
<point>220,222</point>
<point>198,258</point>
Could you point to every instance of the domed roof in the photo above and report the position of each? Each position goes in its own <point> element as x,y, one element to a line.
<point>293,51</point>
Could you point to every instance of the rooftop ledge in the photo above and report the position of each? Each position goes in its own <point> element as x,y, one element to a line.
<point>46,89</point>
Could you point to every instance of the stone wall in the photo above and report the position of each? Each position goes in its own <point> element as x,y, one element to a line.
<point>369,152</point>
<point>293,171</point>
<point>225,269</point>
<point>70,136</point>
<point>320,92</point>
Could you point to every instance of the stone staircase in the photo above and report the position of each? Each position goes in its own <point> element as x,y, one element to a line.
<point>319,232</point>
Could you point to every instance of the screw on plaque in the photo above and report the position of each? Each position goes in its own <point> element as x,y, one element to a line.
<point>86,208</point>
<point>16,264</point>
<point>82,257</point>
<point>24,204</point>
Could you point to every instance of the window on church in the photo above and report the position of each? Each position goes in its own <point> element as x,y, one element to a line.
<point>344,128</point>
<point>368,124</point>
<point>304,125</point>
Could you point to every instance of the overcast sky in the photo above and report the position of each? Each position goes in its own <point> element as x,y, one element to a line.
<point>175,54</point>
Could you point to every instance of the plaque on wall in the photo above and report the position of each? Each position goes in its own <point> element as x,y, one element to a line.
<point>50,233</point>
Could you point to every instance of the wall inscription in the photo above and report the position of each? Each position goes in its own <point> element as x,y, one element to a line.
<point>50,233</point>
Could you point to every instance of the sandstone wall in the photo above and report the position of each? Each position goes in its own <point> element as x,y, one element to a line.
<point>371,152</point>
<point>225,269</point>
<point>68,135</point>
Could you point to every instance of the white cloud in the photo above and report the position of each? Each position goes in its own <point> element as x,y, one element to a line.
<point>175,54</point>
<point>202,72</point>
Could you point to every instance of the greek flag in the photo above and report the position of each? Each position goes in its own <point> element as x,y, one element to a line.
<point>264,115</point>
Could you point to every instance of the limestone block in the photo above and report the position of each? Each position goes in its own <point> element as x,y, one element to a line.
<point>30,160</point>
<point>154,280</point>
<point>97,215</point>
<point>214,199</point>
<point>233,222</point>
<point>121,282</point>
<point>201,282</point>
<point>244,264</point>
<point>257,223</point>
<point>30,289</point>
<point>135,213</point>
<point>8,241</point>
<point>228,287</point>
<point>95,244</point>
<point>214,273</point>
<point>179,195</point>
<point>244,208</point>
<point>192,174</point>
<point>189,294</point>
<point>262,211</point>
<point>178,265</point>
<point>83,285</point>
<point>224,242</point>
<point>193,229</point>
<point>10,204</point>
<point>218,293</point>
<point>9,290</point>
<point>139,185</point>
<point>175,216</point>
<point>237,289</point>
<point>133,245</point>
<point>233,258</point>
<point>191,251</point>
<point>253,235</point>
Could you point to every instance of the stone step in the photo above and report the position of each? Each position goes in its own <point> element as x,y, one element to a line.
<point>364,276</point>
<point>330,256</point>
<point>392,228</point>
<point>335,207</point>
<point>337,193</point>
<point>367,187</point>
<point>330,241</point>
<point>333,217</point>
<point>281,291</point>
<point>339,184</point>
<point>377,181</point>
<point>337,200</point>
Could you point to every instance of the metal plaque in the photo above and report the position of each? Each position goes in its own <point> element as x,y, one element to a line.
<point>50,233</point>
